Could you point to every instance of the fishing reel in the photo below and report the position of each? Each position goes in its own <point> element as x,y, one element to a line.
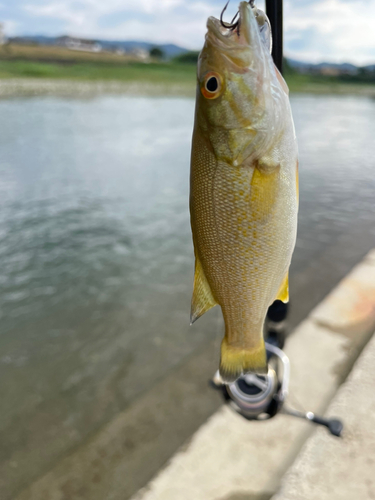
<point>261,397</point>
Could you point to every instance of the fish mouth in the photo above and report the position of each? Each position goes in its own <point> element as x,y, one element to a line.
<point>246,35</point>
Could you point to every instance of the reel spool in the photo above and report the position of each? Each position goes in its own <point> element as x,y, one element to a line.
<point>252,395</point>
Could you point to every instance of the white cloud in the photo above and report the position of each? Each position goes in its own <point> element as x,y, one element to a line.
<point>58,10</point>
<point>161,21</point>
<point>96,8</point>
<point>344,31</point>
<point>10,27</point>
<point>315,30</point>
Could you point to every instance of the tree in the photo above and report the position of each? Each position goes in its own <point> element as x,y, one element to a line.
<point>187,57</point>
<point>157,53</point>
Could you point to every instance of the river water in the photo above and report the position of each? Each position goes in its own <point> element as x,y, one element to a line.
<point>96,254</point>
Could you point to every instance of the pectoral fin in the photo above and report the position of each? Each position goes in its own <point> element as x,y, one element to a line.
<point>202,300</point>
<point>283,293</point>
<point>264,186</point>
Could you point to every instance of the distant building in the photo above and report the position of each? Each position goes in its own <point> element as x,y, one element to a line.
<point>338,69</point>
<point>74,43</point>
<point>2,34</point>
<point>350,71</point>
<point>140,54</point>
<point>115,49</point>
<point>330,71</point>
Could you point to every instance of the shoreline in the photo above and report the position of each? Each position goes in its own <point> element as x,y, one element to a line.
<point>32,87</point>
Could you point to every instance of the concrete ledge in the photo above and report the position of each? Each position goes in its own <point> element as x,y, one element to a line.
<point>340,469</point>
<point>350,308</point>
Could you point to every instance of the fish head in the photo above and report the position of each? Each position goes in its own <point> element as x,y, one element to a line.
<point>240,94</point>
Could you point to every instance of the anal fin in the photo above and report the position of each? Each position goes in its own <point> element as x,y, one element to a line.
<point>283,293</point>
<point>202,300</point>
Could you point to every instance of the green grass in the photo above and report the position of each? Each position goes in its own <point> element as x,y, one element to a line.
<point>130,71</point>
<point>320,84</point>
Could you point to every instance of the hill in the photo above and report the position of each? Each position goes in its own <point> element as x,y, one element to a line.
<point>170,50</point>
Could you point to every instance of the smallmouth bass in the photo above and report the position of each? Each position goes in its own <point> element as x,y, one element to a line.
<point>243,189</point>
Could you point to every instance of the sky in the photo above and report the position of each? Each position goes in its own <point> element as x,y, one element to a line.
<point>314,30</point>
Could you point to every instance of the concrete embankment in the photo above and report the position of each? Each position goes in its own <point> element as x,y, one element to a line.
<point>340,469</point>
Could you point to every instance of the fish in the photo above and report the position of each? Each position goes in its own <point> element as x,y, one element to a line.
<point>243,188</point>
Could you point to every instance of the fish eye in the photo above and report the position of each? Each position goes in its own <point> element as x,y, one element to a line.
<point>212,85</point>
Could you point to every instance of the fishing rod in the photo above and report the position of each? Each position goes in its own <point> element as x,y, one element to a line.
<point>261,397</point>
<point>274,11</point>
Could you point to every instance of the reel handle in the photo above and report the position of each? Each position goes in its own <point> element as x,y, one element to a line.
<point>334,425</point>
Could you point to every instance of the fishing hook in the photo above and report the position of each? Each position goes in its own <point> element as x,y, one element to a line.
<point>233,25</point>
<point>229,26</point>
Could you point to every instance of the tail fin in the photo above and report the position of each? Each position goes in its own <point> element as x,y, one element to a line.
<point>236,361</point>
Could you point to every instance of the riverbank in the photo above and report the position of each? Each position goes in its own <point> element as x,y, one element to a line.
<point>32,86</point>
<point>51,70</point>
<point>23,87</point>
